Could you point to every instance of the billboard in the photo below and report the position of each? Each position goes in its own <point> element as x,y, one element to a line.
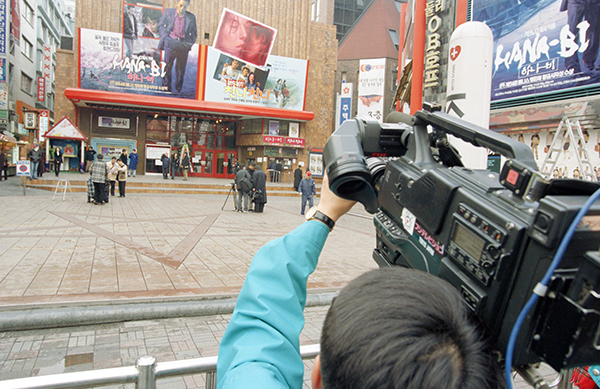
<point>103,67</point>
<point>280,84</point>
<point>244,39</point>
<point>540,46</point>
<point>371,87</point>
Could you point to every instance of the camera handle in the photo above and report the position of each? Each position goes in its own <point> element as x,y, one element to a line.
<point>477,136</point>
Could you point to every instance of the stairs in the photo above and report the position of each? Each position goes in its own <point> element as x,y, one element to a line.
<point>193,186</point>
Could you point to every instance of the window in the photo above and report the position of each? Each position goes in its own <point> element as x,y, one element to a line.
<point>395,38</point>
<point>26,82</point>
<point>26,48</point>
<point>28,13</point>
<point>314,11</point>
<point>253,126</point>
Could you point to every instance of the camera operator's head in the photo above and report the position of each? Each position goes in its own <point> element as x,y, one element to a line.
<point>402,328</point>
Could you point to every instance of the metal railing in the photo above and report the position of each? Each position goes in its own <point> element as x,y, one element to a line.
<point>144,373</point>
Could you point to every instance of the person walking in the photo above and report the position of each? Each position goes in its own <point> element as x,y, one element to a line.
<point>259,180</point>
<point>297,177</point>
<point>112,174</point>
<point>58,160</point>
<point>98,173</point>
<point>121,177</point>
<point>35,156</point>
<point>174,165</point>
<point>165,165</point>
<point>243,185</point>
<point>307,189</point>
<point>133,162</point>
<point>3,165</point>
<point>185,165</point>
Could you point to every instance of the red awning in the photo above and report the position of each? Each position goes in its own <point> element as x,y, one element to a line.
<point>87,97</point>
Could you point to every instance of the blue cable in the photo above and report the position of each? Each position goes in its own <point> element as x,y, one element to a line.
<point>544,282</point>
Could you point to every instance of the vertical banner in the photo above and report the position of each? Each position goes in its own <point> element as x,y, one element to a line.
<point>371,88</point>
<point>41,89</point>
<point>3,97</point>
<point>439,16</point>
<point>345,105</point>
<point>3,69</point>
<point>2,27</point>
<point>44,120</point>
<point>15,20</point>
<point>47,64</point>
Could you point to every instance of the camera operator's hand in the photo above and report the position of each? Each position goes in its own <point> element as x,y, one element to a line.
<point>332,205</point>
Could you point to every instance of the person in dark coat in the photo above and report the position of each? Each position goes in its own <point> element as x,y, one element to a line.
<point>279,168</point>
<point>260,189</point>
<point>123,156</point>
<point>165,165</point>
<point>58,160</point>
<point>174,165</point>
<point>3,165</point>
<point>297,177</point>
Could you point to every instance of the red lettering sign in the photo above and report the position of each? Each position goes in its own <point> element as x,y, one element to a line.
<point>41,90</point>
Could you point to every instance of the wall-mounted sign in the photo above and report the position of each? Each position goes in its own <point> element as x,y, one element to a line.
<point>30,120</point>
<point>294,142</point>
<point>294,130</point>
<point>111,122</point>
<point>273,140</point>
<point>41,89</point>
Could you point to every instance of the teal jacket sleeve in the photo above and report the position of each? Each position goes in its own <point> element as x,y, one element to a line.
<point>260,348</point>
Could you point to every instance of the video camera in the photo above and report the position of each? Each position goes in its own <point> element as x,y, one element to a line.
<point>492,236</point>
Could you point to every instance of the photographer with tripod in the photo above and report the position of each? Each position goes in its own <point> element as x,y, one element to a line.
<point>243,185</point>
<point>393,328</point>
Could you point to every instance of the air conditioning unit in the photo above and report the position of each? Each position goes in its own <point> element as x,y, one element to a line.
<point>12,106</point>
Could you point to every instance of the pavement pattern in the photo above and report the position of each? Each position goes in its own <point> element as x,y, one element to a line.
<point>145,247</point>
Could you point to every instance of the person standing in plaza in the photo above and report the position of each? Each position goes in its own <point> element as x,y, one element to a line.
<point>123,156</point>
<point>35,156</point>
<point>58,160</point>
<point>165,165</point>
<point>279,168</point>
<point>112,174</point>
<point>174,165</point>
<point>98,173</point>
<point>178,33</point>
<point>297,177</point>
<point>121,177</point>
<point>133,162</point>
<point>185,165</point>
<point>307,189</point>
<point>3,165</point>
<point>259,182</point>
<point>243,185</point>
<point>89,157</point>
<point>272,168</point>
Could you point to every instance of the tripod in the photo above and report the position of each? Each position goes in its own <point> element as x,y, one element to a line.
<point>232,189</point>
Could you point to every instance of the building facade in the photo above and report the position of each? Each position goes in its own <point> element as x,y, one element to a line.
<point>209,115</point>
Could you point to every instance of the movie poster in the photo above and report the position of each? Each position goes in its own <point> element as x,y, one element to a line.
<point>280,84</point>
<point>103,67</point>
<point>244,39</point>
<point>536,49</point>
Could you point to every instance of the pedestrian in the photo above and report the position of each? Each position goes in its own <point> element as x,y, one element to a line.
<point>243,185</point>
<point>297,177</point>
<point>58,159</point>
<point>98,173</point>
<point>3,165</point>
<point>133,162</point>
<point>35,156</point>
<point>279,169</point>
<point>123,156</point>
<point>89,157</point>
<point>165,165</point>
<point>185,165</point>
<point>259,182</point>
<point>236,166</point>
<point>174,165</point>
<point>307,189</point>
<point>121,176</point>
<point>272,168</point>
<point>112,174</point>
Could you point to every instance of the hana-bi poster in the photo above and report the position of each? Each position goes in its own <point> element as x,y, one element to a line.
<point>535,49</point>
<point>102,67</point>
<point>280,84</point>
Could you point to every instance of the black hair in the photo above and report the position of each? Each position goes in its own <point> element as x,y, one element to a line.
<point>149,14</point>
<point>403,328</point>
